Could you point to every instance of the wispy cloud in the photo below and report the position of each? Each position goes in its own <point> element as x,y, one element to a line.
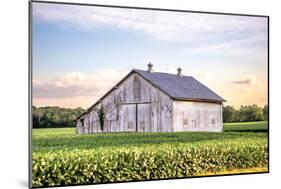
<point>245,46</point>
<point>249,81</point>
<point>76,84</point>
<point>160,25</point>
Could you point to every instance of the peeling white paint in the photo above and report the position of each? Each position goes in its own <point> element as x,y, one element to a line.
<point>199,116</point>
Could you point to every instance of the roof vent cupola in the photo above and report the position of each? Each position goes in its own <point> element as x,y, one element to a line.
<point>179,72</point>
<point>150,67</point>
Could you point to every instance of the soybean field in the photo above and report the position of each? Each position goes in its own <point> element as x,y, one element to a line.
<point>62,157</point>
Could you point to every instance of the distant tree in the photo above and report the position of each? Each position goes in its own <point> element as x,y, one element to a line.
<point>251,113</point>
<point>245,113</point>
<point>46,117</point>
<point>101,115</point>
<point>228,114</point>
<point>265,112</point>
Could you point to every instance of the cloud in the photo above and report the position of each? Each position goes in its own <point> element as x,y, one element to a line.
<point>68,102</point>
<point>160,25</point>
<point>245,46</point>
<point>249,81</point>
<point>76,84</point>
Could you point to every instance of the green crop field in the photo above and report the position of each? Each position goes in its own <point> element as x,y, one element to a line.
<point>61,157</point>
<point>260,126</point>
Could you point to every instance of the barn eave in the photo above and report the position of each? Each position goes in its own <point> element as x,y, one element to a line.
<point>199,100</point>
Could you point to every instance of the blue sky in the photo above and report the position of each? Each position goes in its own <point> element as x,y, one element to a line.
<point>80,52</point>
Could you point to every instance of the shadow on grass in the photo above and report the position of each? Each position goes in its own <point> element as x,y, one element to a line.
<point>249,130</point>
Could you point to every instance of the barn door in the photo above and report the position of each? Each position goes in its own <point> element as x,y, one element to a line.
<point>135,117</point>
<point>128,117</point>
<point>144,118</point>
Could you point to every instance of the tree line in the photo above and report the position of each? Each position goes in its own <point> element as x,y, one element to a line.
<point>54,117</point>
<point>245,113</point>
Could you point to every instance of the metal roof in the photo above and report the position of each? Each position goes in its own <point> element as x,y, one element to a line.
<point>180,87</point>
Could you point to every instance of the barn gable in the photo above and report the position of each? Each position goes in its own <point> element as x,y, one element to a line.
<point>133,104</point>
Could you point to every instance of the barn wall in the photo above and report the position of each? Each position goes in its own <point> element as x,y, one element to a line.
<point>153,117</point>
<point>197,116</point>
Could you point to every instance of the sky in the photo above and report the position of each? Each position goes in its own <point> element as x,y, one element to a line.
<point>80,52</point>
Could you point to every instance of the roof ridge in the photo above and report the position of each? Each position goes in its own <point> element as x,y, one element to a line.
<point>163,73</point>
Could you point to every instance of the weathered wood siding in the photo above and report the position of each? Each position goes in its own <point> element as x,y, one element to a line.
<point>197,116</point>
<point>157,116</point>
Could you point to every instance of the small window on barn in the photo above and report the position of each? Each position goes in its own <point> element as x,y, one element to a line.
<point>117,113</point>
<point>213,121</point>
<point>136,88</point>
<point>142,126</point>
<point>130,125</point>
<point>82,122</point>
<point>193,123</point>
<point>185,122</point>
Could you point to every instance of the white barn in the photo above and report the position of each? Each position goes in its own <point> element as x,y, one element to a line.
<point>148,101</point>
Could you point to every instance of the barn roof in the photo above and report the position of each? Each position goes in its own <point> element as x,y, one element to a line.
<point>184,88</point>
<point>180,87</point>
